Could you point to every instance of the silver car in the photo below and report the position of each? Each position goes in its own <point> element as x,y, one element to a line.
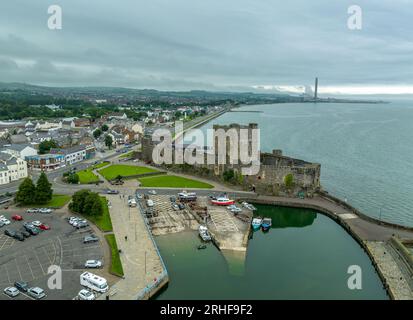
<point>11,292</point>
<point>95,264</point>
<point>36,292</point>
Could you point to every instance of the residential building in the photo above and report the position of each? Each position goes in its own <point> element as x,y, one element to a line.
<point>20,150</point>
<point>12,168</point>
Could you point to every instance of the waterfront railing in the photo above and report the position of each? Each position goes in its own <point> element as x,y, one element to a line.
<point>150,289</point>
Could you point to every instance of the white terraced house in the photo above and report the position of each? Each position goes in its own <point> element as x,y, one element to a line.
<point>11,168</point>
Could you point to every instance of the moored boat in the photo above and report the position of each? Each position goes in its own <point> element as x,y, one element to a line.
<point>256,223</point>
<point>222,201</point>
<point>266,224</point>
<point>249,206</point>
<point>204,234</point>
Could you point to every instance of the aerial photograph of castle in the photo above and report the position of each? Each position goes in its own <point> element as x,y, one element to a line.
<point>185,151</point>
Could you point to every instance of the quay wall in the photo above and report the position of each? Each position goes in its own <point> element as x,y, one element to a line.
<point>357,212</point>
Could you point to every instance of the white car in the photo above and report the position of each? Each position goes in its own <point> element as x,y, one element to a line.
<point>36,292</point>
<point>45,210</point>
<point>95,264</point>
<point>11,292</point>
<point>5,221</point>
<point>153,192</point>
<point>85,295</point>
<point>36,223</point>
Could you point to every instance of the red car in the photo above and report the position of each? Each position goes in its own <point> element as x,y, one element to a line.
<point>44,227</point>
<point>16,217</point>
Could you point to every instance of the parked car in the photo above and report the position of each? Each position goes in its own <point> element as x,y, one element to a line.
<point>18,236</point>
<point>33,210</point>
<point>139,196</point>
<point>31,229</point>
<point>17,217</point>
<point>82,224</point>
<point>44,227</point>
<point>11,292</point>
<point>2,224</point>
<point>86,295</point>
<point>36,223</point>
<point>93,264</point>
<point>21,286</point>
<point>9,233</point>
<point>45,210</point>
<point>152,192</point>
<point>5,221</point>
<point>36,292</point>
<point>25,233</point>
<point>175,206</point>
<point>172,199</point>
<point>112,191</point>
<point>91,238</point>
<point>181,206</point>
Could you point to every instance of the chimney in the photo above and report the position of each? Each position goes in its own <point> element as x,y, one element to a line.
<point>316,89</point>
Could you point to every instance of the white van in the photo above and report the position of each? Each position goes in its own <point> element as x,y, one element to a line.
<point>94,282</point>
<point>132,203</point>
<point>149,203</point>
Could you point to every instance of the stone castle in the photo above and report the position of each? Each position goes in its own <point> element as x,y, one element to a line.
<point>277,174</point>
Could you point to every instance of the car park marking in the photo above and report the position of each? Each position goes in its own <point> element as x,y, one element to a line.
<point>38,260</point>
<point>18,269</point>
<point>7,273</point>
<point>30,267</point>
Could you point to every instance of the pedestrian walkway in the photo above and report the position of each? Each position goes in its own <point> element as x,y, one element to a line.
<point>141,264</point>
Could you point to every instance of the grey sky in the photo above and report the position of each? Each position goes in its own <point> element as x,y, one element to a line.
<point>213,44</point>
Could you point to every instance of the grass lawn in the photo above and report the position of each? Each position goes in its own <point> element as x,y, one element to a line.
<point>100,165</point>
<point>127,155</point>
<point>87,176</point>
<point>116,264</point>
<point>173,182</point>
<point>113,171</point>
<point>103,222</point>
<point>58,201</point>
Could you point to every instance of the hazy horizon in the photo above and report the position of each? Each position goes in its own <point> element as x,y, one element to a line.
<point>237,46</point>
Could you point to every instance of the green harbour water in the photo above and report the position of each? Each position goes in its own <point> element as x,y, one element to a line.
<point>304,256</point>
<point>365,154</point>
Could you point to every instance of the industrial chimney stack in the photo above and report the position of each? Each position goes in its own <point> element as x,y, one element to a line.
<point>316,89</point>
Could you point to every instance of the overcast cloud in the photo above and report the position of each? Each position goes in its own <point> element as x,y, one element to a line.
<point>207,44</point>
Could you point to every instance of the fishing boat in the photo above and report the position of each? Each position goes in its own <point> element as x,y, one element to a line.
<point>266,224</point>
<point>222,201</point>
<point>204,234</point>
<point>249,206</point>
<point>234,209</point>
<point>256,223</point>
<point>187,196</point>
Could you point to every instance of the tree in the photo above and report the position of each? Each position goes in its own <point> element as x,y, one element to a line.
<point>86,202</point>
<point>97,133</point>
<point>105,128</point>
<point>72,178</point>
<point>93,205</point>
<point>228,175</point>
<point>26,192</point>
<point>108,141</point>
<point>78,201</point>
<point>44,191</point>
<point>45,146</point>
<point>289,180</point>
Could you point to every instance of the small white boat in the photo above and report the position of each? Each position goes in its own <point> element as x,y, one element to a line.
<point>256,223</point>
<point>248,206</point>
<point>204,234</point>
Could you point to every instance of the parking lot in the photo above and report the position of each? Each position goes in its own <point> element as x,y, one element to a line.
<point>30,260</point>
